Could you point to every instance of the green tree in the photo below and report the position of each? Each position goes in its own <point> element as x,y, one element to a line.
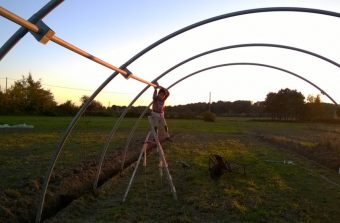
<point>67,108</point>
<point>312,99</point>
<point>27,96</point>
<point>241,107</point>
<point>2,102</point>
<point>314,108</point>
<point>272,105</point>
<point>286,104</point>
<point>94,106</point>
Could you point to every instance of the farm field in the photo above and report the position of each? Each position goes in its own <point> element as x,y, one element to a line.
<point>291,172</point>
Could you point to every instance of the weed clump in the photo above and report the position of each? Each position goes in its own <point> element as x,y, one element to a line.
<point>12,193</point>
<point>209,116</point>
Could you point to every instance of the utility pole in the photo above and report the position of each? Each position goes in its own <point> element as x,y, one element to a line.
<point>6,86</point>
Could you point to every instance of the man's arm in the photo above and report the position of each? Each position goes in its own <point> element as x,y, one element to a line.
<point>167,93</point>
<point>154,94</point>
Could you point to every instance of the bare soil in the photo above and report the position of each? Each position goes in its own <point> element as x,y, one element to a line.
<point>325,153</point>
<point>65,186</point>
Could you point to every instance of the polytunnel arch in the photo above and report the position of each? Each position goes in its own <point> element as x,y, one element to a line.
<point>150,47</point>
<point>255,64</point>
<point>132,131</point>
<point>117,123</point>
<point>21,32</point>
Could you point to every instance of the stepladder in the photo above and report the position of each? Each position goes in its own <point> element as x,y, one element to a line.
<point>153,138</point>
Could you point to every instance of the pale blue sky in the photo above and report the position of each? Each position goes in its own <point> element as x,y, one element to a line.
<point>117,30</point>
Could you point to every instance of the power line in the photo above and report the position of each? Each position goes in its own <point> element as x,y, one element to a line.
<point>81,89</point>
<point>71,88</point>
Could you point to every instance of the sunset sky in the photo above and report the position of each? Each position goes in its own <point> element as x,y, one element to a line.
<point>117,30</point>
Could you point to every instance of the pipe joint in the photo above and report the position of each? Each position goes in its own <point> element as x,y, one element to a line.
<point>44,34</point>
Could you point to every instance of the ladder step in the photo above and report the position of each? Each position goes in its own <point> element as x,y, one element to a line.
<point>152,142</point>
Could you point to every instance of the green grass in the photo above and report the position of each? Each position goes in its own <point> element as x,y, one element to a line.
<point>270,191</point>
<point>26,153</point>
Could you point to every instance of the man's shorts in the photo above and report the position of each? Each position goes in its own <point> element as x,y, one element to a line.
<point>158,121</point>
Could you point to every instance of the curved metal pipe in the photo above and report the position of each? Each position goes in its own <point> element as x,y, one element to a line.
<point>150,47</point>
<point>62,143</point>
<point>229,15</point>
<point>21,32</point>
<point>180,64</point>
<point>257,64</point>
<point>131,134</point>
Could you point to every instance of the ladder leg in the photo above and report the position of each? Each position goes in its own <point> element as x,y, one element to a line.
<point>143,151</point>
<point>172,186</point>
<point>164,163</point>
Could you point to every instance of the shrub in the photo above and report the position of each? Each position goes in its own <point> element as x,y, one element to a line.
<point>209,116</point>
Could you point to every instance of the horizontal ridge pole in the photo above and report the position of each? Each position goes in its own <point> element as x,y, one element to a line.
<point>34,28</point>
<point>18,20</point>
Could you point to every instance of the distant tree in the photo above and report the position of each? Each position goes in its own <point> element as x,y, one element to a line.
<point>314,108</point>
<point>258,109</point>
<point>94,106</point>
<point>241,107</point>
<point>67,108</point>
<point>312,99</point>
<point>27,96</point>
<point>134,111</point>
<point>217,107</point>
<point>294,103</point>
<point>2,103</point>
<point>272,105</point>
<point>286,104</point>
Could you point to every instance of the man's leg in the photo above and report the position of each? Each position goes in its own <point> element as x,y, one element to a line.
<point>166,129</point>
<point>155,122</point>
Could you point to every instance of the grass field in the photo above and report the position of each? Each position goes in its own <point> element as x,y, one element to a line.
<point>271,191</point>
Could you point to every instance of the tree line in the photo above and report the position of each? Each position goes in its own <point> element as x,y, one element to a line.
<point>289,104</point>
<point>27,96</point>
<point>286,104</point>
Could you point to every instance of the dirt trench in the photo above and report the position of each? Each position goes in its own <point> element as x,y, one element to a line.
<point>64,187</point>
<point>321,153</point>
